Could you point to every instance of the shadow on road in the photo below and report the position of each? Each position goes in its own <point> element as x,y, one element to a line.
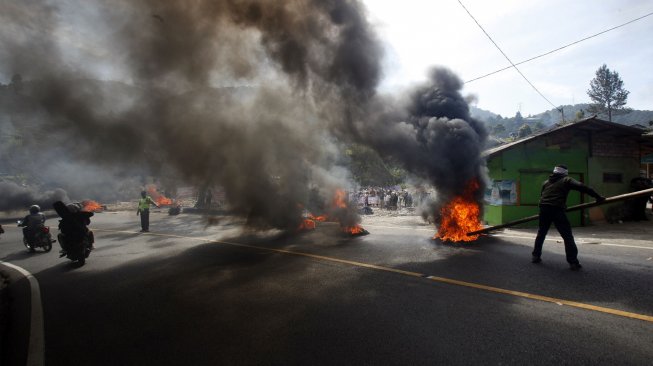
<point>22,254</point>
<point>221,304</point>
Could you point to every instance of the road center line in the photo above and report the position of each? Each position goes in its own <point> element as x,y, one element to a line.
<point>450,281</point>
<point>36,346</point>
<point>582,241</point>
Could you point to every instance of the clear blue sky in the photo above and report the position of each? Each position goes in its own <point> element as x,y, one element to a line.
<point>420,33</point>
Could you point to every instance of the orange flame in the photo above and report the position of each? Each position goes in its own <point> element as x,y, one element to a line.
<point>320,218</point>
<point>339,199</point>
<point>354,230</point>
<point>159,198</point>
<point>460,216</point>
<point>162,200</point>
<point>91,206</point>
<point>307,224</point>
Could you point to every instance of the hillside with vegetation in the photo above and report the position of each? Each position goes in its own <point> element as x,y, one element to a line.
<point>519,126</point>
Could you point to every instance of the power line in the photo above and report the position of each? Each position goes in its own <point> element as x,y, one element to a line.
<point>508,58</point>
<point>560,48</point>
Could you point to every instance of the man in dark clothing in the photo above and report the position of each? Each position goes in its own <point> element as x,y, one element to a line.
<point>553,199</point>
<point>636,207</point>
<point>73,225</point>
<point>32,222</point>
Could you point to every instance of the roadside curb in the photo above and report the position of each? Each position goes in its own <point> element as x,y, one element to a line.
<point>4,312</point>
<point>35,332</point>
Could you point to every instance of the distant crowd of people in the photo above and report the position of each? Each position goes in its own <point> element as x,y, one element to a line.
<point>388,198</point>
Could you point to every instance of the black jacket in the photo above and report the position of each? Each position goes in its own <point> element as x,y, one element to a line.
<point>72,224</point>
<point>33,221</point>
<point>557,187</point>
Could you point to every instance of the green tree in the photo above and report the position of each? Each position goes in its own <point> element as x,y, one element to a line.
<point>369,169</point>
<point>499,129</point>
<point>524,130</point>
<point>607,92</point>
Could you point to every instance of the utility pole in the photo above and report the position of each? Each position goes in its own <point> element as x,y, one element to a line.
<point>562,112</point>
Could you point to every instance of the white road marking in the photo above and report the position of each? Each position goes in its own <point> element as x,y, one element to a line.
<point>432,230</point>
<point>578,241</point>
<point>532,237</point>
<point>36,346</point>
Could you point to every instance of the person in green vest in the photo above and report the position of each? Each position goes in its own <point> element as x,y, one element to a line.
<point>144,210</point>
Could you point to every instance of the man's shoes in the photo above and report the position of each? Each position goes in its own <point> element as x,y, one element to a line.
<point>575,266</point>
<point>536,259</point>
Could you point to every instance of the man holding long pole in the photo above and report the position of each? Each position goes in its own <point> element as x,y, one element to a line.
<point>553,201</point>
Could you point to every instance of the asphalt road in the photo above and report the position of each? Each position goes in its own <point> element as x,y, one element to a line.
<point>188,293</point>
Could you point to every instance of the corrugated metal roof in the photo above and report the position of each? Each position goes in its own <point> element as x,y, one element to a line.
<point>587,124</point>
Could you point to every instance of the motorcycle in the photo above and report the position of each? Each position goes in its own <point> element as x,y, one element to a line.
<point>75,238</point>
<point>76,250</point>
<point>40,239</point>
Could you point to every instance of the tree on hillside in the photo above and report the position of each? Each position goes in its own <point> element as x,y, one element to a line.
<point>369,169</point>
<point>524,130</point>
<point>607,92</point>
<point>499,129</point>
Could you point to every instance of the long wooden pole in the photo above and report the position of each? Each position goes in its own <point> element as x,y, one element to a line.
<point>572,208</point>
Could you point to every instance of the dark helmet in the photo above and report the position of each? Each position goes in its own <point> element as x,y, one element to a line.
<point>74,207</point>
<point>34,209</point>
<point>143,194</point>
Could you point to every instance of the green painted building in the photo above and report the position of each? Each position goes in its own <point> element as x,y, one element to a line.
<point>601,154</point>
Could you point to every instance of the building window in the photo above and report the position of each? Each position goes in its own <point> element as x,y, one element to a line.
<point>612,178</point>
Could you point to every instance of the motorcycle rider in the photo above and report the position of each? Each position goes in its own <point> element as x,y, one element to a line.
<point>32,223</point>
<point>73,224</point>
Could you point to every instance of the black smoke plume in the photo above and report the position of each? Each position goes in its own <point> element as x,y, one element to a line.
<point>255,96</point>
<point>15,197</point>
<point>432,134</point>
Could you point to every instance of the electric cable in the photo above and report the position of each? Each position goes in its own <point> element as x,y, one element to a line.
<point>507,58</point>
<point>560,48</point>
